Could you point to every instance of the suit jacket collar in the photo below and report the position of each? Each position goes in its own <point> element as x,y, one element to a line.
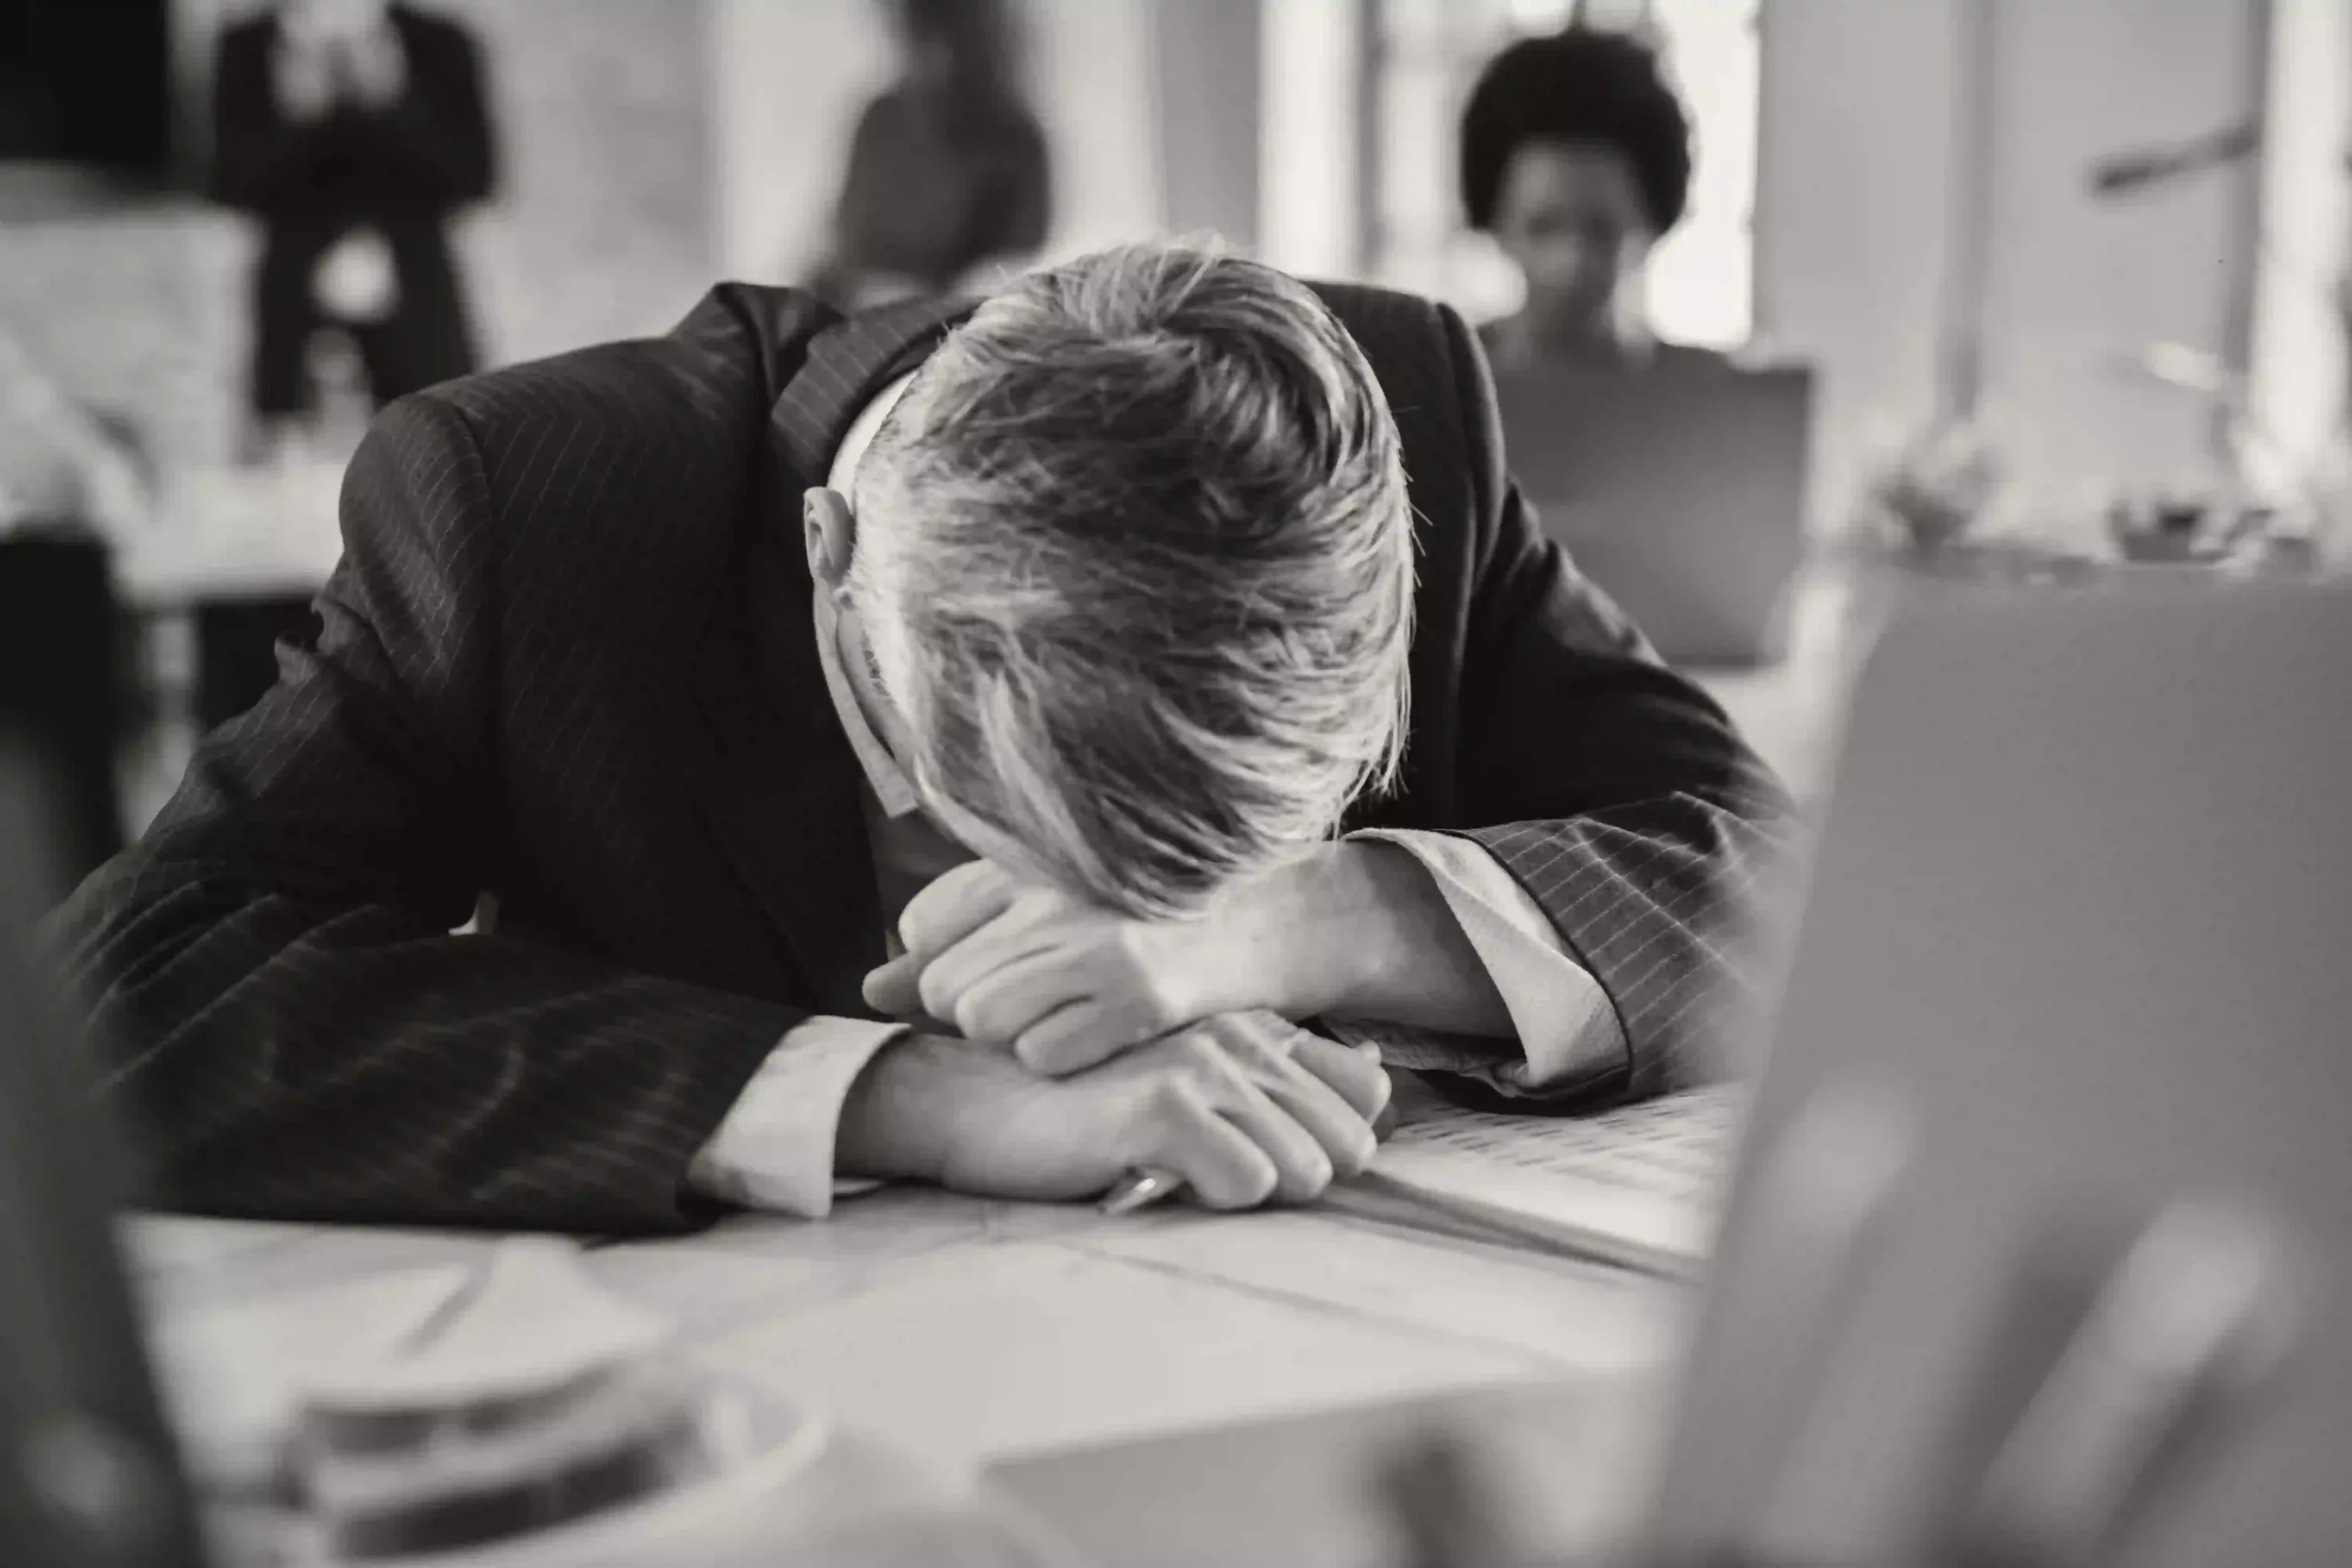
<point>780,784</point>
<point>847,363</point>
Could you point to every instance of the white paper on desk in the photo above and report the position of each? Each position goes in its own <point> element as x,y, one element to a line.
<point>1646,1173</point>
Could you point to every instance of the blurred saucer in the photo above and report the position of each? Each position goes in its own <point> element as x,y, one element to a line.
<point>765,1444</point>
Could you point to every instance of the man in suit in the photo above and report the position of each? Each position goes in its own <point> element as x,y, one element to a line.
<point>699,671</point>
<point>352,130</point>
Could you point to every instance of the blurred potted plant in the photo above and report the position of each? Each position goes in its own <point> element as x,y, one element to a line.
<point>1933,490</point>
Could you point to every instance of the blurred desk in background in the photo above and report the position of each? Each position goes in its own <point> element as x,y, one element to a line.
<point>236,556</point>
<point>236,534</point>
<point>229,563</point>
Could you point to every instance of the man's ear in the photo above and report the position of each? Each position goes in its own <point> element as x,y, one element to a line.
<point>830,531</point>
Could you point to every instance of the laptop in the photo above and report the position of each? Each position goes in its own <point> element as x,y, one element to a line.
<point>90,1476</point>
<point>1680,488</point>
<point>2068,1008</point>
<point>2077,955</point>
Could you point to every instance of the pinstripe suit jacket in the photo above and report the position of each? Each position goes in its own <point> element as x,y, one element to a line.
<point>567,660</point>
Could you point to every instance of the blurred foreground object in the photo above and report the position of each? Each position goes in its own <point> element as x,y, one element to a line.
<point>89,1477</point>
<point>532,1406</point>
<point>60,635</point>
<point>2036,1253</point>
<point>510,1410</point>
<point>69,490</point>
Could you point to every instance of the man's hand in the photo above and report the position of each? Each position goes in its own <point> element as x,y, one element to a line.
<point>1245,1108</point>
<point>1066,983</point>
<point>1353,929</point>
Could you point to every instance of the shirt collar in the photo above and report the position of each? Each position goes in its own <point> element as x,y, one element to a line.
<point>884,774</point>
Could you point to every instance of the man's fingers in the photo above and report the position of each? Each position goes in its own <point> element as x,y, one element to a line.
<point>1082,1035</point>
<point>1223,1167</point>
<point>950,977</point>
<point>1303,1166</point>
<point>953,907</point>
<point>1001,1004</point>
<point>1355,1076</point>
<point>894,990</point>
<point>1342,1131</point>
<point>1318,1084</point>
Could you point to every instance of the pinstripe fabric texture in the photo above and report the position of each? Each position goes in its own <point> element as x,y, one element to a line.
<point>567,660</point>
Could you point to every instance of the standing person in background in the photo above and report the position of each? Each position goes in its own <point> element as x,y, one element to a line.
<point>352,130</point>
<point>71,483</point>
<point>947,169</point>
<point>1575,156</point>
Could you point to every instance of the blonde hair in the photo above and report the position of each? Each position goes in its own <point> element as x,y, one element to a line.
<point>1136,563</point>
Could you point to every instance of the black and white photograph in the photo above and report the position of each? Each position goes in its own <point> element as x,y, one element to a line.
<point>1175,784</point>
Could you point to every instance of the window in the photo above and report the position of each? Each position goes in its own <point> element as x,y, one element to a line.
<point>1425,56</point>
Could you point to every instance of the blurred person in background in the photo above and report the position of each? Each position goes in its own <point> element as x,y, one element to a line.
<point>352,130</point>
<point>947,169</point>
<point>74,483</point>
<point>1576,158</point>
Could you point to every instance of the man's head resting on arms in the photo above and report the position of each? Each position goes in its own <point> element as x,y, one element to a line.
<point>1128,570</point>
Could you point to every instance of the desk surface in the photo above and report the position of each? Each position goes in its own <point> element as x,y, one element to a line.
<point>967,1332</point>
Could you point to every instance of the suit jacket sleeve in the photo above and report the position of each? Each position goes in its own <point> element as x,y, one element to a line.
<point>288,1019</point>
<point>1613,790</point>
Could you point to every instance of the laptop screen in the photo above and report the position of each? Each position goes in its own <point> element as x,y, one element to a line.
<point>1679,486</point>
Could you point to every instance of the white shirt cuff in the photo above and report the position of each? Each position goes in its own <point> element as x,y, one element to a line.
<point>776,1148</point>
<point>1567,1028</point>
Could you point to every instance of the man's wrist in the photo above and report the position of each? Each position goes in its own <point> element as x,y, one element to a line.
<point>1310,934</point>
<point>899,1119</point>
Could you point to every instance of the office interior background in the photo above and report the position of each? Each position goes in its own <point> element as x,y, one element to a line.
<point>1908,196</point>
<point>1901,194</point>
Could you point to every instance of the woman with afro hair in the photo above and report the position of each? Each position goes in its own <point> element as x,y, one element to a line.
<point>1575,157</point>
